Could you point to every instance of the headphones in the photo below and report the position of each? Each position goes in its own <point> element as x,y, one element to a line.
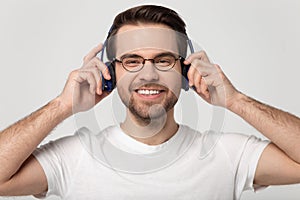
<point>109,85</point>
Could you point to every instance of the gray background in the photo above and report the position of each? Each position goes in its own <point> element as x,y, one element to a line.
<point>255,42</point>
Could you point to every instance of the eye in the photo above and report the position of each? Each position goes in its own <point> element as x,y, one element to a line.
<point>164,60</point>
<point>132,62</point>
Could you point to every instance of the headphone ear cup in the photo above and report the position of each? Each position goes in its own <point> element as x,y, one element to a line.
<point>184,71</point>
<point>109,85</point>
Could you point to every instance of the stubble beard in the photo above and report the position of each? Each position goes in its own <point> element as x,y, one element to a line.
<point>145,112</point>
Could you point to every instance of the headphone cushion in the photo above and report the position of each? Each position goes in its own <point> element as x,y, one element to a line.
<point>109,85</point>
<point>184,71</point>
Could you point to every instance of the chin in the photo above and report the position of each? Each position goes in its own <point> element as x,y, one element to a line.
<point>151,111</point>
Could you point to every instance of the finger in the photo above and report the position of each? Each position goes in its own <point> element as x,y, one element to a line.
<point>89,77</point>
<point>191,74</point>
<point>201,55</point>
<point>96,62</point>
<point>93,53</point>
<point>216,77</point>
<point>197,82</point>
<point>198,67</point>
<point>205,69</point>
<point>98,68</point>
<point>204,88</point>
<point>98,77</point>
<point>105,72</point>
<point>200,85</point>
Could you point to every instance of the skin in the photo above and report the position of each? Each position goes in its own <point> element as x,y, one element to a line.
<point>21,174</point>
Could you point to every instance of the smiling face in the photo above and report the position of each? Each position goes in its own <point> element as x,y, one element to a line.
<point>148,93</point>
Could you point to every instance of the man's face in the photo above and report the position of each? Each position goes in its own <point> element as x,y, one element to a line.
<point>148,93</point>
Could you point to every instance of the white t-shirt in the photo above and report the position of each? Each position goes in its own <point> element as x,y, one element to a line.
<point>112,165</point>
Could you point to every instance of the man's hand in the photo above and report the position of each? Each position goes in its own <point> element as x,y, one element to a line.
<point>209,80</point>
<point>83,89</point>
<point>280,161</point>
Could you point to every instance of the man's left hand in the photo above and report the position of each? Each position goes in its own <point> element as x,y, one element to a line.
<point>209,81</point>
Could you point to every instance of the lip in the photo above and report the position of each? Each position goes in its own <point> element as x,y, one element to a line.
<point>149,96</point>
<point>148,86</point>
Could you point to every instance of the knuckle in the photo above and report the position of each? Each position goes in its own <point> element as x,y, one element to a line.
<point>85,58</point>
<point>92,61</point>
<point>92,84</point>
<point>95,71</point>
<point>92,68</point>
<point>89,74</point>
<point>197,62</point>
<point>85,74</point>
<point>97,59</point>
<point>203,52</point>
<point>73,73</point>
<point>95,62</point>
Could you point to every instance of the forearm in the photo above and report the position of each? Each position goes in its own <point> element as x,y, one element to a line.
<point>19,140</point>
<point>280,127</point>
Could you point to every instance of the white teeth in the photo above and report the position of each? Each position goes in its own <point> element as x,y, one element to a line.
<point>148,92</point>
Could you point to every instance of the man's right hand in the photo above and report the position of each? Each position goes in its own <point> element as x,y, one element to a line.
<point>20,172</point>
<point>83,89</point>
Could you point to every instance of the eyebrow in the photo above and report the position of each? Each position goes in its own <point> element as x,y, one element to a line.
<point>130,56</point>
<point>139,56</point>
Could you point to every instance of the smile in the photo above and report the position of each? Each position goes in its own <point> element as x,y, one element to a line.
<point>148,92</point>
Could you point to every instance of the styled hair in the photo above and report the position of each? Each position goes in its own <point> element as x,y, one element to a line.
<point>149,14</point>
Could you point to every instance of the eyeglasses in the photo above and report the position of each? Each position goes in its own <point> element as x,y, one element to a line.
<point>135,63</point>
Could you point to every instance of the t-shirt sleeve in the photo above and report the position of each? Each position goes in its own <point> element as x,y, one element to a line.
<point>58,159</point>
<point>249,161</point>
<point>245,152</point>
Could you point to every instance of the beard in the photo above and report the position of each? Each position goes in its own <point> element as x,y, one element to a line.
<point>145,111</point>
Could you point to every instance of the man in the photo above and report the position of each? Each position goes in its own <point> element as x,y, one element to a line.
<point>149,83</point>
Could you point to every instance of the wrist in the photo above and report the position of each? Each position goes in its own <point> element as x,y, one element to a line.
<point>237,102</point>
<point>65,110</point>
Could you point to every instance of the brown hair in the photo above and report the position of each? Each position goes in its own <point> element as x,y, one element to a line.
<point>149,14</point>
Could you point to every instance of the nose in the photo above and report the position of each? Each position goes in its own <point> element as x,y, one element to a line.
<point>149,72</point>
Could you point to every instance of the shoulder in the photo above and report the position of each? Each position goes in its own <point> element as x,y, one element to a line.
<point>64,147</point>
<point>83,140</point>
<point>233,144</point>
<point>240,143</point>
<point>240,149</point>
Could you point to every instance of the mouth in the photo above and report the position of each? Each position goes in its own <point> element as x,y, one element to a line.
<point>148,92</point>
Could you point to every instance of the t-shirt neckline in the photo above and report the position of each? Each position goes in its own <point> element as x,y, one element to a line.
<point>127,143</point>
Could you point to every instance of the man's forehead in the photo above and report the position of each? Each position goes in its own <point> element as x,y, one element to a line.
<point>150,37</point>
<point>148,52</point>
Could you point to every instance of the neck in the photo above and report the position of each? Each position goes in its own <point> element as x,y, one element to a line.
<point>154,132</point>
